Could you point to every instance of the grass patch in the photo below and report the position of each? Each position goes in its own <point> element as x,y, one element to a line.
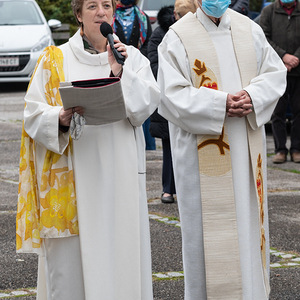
<point>285,170</point>
<point>168,278</point>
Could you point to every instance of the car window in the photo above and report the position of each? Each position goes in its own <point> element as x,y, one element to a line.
<point>156,4</point>
<point>19,13</point>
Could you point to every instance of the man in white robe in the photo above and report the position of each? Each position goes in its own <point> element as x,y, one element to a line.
<point>204,111</point>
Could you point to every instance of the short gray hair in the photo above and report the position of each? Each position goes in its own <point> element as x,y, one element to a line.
<point>77,7</point>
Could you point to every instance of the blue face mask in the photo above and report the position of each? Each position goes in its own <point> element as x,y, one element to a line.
<point>287,1</point>
<point>215,8</point>
<point>127,2</point>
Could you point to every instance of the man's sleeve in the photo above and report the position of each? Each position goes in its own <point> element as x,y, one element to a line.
<point>197,111</point>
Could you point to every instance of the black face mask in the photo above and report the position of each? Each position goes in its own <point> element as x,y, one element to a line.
<point>127,2</point>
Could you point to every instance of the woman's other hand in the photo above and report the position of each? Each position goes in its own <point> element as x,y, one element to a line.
<point>65,116</point>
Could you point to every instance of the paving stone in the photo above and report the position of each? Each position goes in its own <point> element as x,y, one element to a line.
<point>18,293</point>
<point>278,254</point>
<point>32,297</point>
<point>175,274</point>
<point>161,275</point>
<point>291,264</point>
<point>154,217</point>
<point>276,265</point>
<point>172,222</point>
<point>164,219</point>
<point>296,259</point>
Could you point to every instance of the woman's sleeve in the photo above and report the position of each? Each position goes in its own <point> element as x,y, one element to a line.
<point>140,90</point>
<point>41,120</point>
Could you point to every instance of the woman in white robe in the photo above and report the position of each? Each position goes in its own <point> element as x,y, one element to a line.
<point>191,111</point>
<point>110,258</point>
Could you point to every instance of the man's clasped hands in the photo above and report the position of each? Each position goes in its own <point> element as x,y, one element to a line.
<point>238,105</point>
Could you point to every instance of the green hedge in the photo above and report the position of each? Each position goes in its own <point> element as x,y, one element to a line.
<point>60,10</point>
<point>256,5</point>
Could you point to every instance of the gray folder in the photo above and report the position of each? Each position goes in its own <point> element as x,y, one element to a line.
<point>102,99</point>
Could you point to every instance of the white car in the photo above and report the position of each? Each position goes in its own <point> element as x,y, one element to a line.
<point>24,33</point>
<point>152,7</point>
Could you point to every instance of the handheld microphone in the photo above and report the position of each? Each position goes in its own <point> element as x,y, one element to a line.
<point>107,32</point>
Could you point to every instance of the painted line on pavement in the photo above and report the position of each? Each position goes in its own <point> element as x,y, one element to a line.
<point>9,181</point>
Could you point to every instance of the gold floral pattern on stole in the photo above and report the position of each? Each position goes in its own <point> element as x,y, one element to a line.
<point>260,193</point>
<point>205,76</point>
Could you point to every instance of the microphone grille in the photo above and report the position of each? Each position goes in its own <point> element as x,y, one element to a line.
<point>105,29</point>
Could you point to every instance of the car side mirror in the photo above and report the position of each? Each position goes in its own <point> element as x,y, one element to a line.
<point>54,24</point>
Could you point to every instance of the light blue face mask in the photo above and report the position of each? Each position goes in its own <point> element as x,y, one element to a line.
<point>215,8</point>
<point>287,1</point>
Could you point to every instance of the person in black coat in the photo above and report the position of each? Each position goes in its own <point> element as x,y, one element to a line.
<point>166,16</point>
<point>159,125</point>
<point>133,27</point>
<point>241,6</point>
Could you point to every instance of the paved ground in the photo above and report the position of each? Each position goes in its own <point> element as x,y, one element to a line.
<point>18,272</point>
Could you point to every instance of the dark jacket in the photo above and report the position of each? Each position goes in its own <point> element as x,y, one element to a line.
<point>241,6</point>
<point>282,31</point>
<point>165,17</point>
<point>135,35</point>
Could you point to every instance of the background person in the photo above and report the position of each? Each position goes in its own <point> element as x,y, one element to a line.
<point>220,81</point>
<point>133,27</point>
<point>241,6</point>
<point>280,22</point>
<point>159,125</point>
<point>82,203</point>
<point>182,7</point>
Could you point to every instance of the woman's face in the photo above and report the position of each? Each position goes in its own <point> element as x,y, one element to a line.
<point>93,14</point>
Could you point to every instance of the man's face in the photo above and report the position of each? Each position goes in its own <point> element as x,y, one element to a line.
<point>289,5</point>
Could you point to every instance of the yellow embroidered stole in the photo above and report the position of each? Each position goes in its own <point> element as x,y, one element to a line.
<point>222,260</point>
<point>48,210</point>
